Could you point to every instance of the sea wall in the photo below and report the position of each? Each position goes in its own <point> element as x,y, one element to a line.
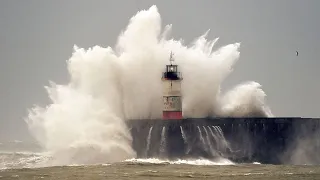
<point>264,140</point>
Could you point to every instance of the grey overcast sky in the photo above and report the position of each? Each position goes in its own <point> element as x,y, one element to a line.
<point>37,37</point>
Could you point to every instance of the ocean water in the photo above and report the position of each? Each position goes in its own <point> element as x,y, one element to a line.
<point>160,169</point>
<point>33,165</point>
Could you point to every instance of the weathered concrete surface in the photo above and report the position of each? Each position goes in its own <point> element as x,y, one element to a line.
<point>265,140</point>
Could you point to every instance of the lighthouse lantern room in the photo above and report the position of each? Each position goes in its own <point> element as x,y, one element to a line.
<point>172,102</point>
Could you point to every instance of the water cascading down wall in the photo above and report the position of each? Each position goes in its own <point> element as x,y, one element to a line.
<point>264,140</point>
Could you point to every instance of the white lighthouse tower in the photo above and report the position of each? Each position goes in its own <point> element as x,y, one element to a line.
<point>172,102</point>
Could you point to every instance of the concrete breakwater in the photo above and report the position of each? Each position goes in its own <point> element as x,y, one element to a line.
<point>265,140</point>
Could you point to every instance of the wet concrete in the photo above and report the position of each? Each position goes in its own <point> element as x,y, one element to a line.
<point>243,140</point>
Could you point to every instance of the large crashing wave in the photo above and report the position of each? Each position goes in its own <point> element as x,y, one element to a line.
<point>85,121</point>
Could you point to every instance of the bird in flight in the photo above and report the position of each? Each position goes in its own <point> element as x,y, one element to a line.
<point>297,53</point>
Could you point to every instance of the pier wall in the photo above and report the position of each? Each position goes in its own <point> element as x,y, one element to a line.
<point>264,140</point>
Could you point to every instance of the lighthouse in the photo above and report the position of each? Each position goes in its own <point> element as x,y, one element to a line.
<point>171,82</point>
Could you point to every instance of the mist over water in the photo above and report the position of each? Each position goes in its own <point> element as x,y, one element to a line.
<point>84,123</point>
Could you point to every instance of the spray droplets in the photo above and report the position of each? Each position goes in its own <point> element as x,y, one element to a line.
<point>85,121</point>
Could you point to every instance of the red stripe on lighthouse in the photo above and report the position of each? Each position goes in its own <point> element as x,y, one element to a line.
<point>172,115</point>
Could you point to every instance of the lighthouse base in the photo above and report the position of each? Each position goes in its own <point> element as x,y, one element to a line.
<point>264,140</point>
<point>172,115</point>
